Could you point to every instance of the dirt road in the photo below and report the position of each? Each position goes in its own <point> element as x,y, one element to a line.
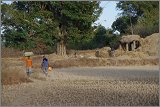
<point>88,86</point>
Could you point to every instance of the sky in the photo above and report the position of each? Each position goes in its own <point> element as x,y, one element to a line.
<point>108,15</point>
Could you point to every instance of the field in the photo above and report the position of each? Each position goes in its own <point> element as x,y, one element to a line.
<point>82,86</point>
<point>96,59</point>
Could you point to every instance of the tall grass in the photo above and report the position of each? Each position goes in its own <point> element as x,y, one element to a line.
<point>13,75</point>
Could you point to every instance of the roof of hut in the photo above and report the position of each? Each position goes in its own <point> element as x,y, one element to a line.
<point>130,38</point>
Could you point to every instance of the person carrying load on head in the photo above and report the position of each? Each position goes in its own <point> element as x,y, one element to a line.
<point>44,65</point>
<point>28,65</point>
<point>28,61</point>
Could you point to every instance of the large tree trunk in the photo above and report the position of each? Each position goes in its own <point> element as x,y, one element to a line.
<point>61,45</point>
<point>61,48</point>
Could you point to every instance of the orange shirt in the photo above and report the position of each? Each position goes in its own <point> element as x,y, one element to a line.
<point>28,62</point>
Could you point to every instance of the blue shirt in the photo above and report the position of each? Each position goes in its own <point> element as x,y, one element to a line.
<point>45,62</point>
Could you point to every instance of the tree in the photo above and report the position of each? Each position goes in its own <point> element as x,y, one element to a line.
<point>26,25</point>
<point>141,14</point>
<point>77,15</point>
<point>149,22</point>
<point>121,24</point>
<point>48,22</point>
<point>103,37</point>
<point>100,36</point>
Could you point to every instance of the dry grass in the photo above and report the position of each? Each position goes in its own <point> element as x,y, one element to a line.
<point>84,62</point>
<point>38,76</point>
<point>13,74</point>
<point>14,71</point>
<point>150,44</point>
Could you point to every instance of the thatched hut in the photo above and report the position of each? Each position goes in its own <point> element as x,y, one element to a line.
<point>130,42</point>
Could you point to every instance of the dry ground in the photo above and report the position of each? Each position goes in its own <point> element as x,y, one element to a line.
<point>110,86</point>
<point>88,86</point>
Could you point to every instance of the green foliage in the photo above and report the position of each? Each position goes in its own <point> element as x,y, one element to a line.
<point>26,24</point>
<point>121,24</point>
<point>33,24</point>
<point>149,23</point>
<point>144,17</point>
<point>101,37</point>
<point>145,30</point>
<point>78,15</point>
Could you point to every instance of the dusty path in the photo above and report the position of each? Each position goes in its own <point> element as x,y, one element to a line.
<point>88,86</point>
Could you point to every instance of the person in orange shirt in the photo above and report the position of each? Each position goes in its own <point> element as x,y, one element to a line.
<point>28,65</point>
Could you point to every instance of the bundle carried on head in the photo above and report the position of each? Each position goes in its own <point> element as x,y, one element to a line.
<point>28,54</point>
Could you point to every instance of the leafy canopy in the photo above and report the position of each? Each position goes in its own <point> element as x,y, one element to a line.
<point>32,24</point>
<point>144,17</point>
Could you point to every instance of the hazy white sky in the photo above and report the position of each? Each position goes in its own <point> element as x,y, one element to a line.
<point>108,15</point>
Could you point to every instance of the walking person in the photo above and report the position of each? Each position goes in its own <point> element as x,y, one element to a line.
<point>44,65</point>
<point>28,65</point>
